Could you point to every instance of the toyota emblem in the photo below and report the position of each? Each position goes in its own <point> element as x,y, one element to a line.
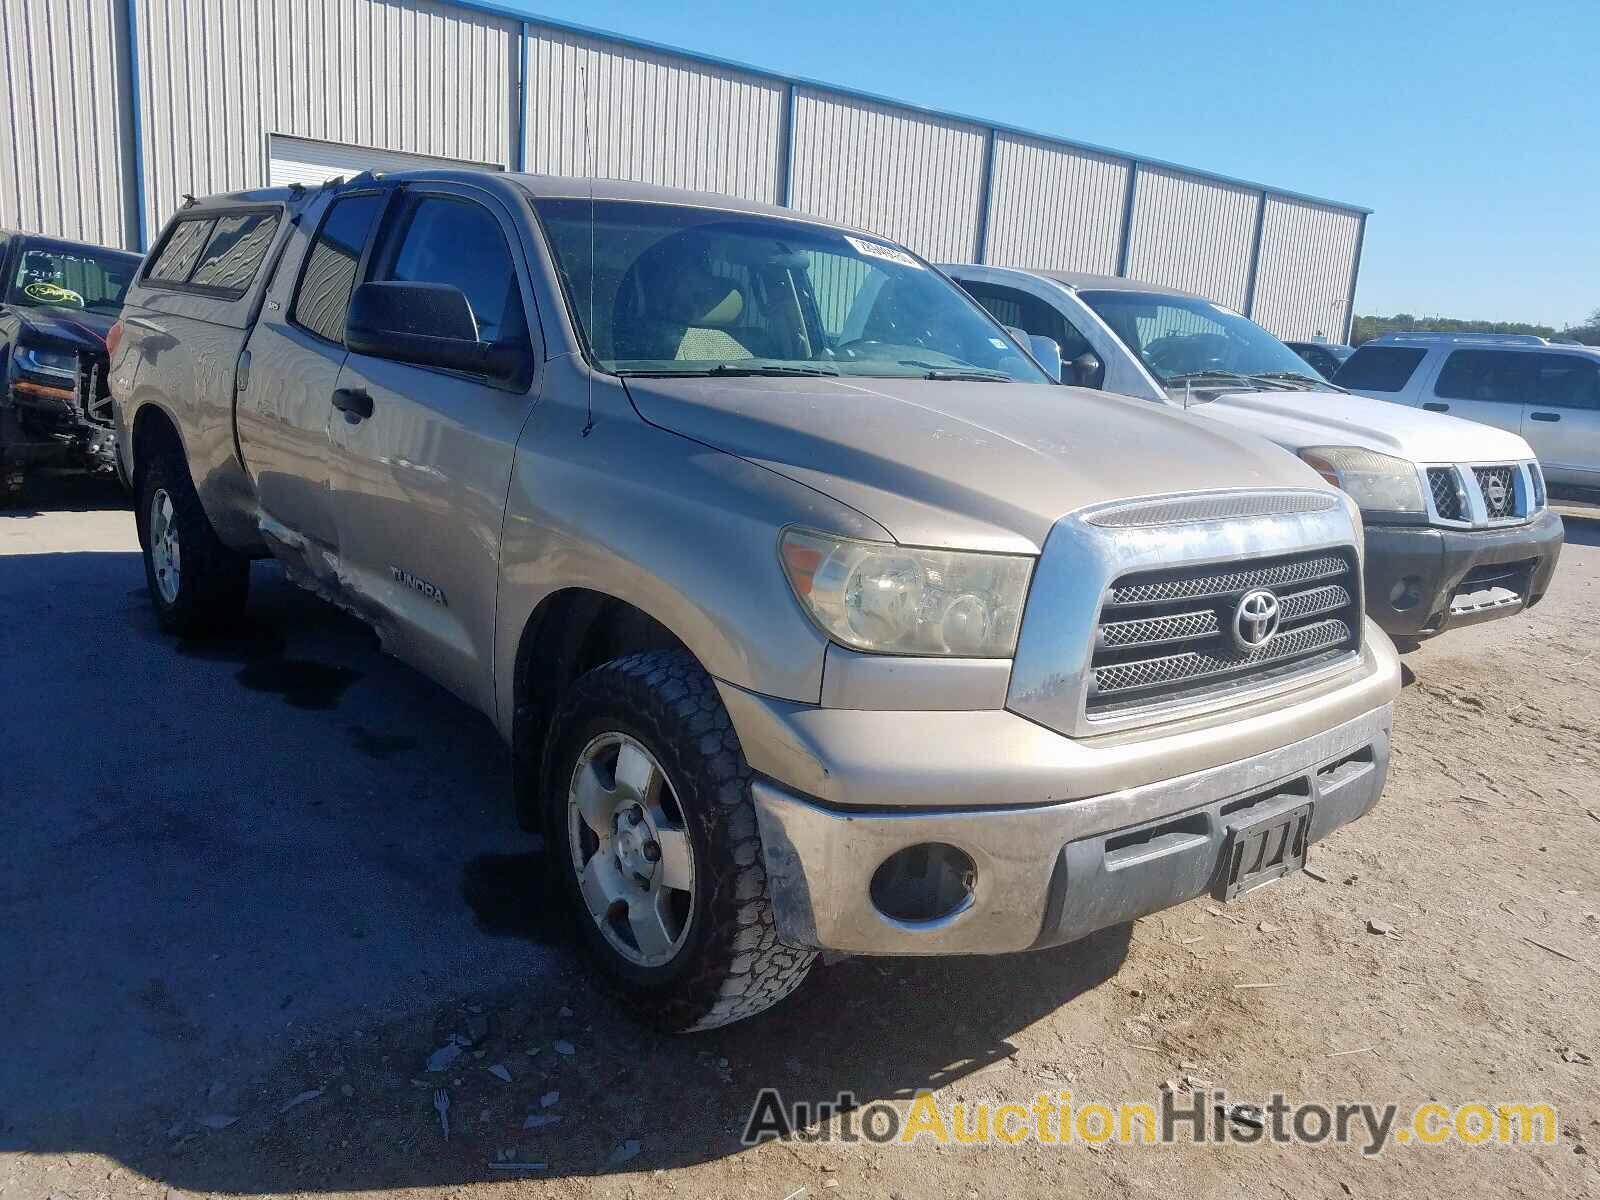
<point>1256,619</point>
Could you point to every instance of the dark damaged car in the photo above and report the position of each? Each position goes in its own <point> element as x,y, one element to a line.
<point>58,301</point>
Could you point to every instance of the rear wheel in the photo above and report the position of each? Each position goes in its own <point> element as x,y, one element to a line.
<point>650,822</point>
<point>197,584</point>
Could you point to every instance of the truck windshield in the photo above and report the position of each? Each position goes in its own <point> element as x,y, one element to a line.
<point>660,289</point>
<point>1188,341</point>
<point>82,279</point>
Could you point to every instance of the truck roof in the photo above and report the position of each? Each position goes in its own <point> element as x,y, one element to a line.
<point>565,187</point>
<point>1083,281</point>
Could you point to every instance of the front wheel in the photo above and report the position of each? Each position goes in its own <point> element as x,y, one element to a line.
<point>650,821</point>
<point>198,584</point>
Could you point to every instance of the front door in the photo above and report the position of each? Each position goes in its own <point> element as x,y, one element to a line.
<point>1562,420</point>
<point>421,457</point>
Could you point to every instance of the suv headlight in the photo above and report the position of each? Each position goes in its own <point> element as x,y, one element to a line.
<point>892,599</point>
<point>58,364</point>
<point>1377,482</point>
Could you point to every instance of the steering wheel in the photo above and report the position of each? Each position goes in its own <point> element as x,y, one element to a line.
<point>1186,353</point>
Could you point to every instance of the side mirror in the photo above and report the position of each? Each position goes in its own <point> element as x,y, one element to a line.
<point>1087,370</point>
<point>428,325</point>
<point>1047,353</point>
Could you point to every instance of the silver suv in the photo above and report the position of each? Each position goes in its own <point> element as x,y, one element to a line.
<point>1547,392</point>
<point>812,617</point>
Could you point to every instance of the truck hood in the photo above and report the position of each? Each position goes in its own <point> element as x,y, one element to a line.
<point>977,466</point>
<point>63,328</point>
<point>1300,419</point>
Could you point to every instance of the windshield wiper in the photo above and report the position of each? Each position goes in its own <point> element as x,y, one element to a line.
<point>736,369</point>
<point>1308,384</point>
<point>726,370</point>
<point>1206,376</point>
<point>965,374</point>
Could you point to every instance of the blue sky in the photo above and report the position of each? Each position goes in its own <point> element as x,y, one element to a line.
<point>1472,128</point>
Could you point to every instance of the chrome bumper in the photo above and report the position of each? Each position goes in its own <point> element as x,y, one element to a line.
<point>1050,873</point>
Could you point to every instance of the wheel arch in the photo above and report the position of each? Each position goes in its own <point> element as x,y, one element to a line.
<point>154,428</point>
<point>570,631</point>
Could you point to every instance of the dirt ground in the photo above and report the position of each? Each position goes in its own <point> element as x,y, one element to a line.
<point>1480,863</point>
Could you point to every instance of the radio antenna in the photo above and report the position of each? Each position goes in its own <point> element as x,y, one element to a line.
<point>588,170</point>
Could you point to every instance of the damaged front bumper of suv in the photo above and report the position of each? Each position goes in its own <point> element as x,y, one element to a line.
<point>46,421</point>
<point>1421,582</point>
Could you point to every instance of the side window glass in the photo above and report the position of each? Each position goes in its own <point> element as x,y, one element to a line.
<point>235,252</point>
<point>1031,315</point>
<point>1379,369</point>
<point>181,251</point>
<point>1493,376</point>
<point>1567,381</point>
<point>442,239</point>
<point>330,270</point>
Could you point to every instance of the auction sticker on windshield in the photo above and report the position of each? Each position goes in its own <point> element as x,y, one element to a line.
<point>887,253</point>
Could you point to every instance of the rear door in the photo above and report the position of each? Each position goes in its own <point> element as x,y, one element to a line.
<point>420,458</point>
<point>1562,422</point>
<point>1490,386</point>
<point>296,351</point>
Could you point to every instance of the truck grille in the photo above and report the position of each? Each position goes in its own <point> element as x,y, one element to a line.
<point>1499,488</point>
<point>1169,635</point>
<point>1448,500</point>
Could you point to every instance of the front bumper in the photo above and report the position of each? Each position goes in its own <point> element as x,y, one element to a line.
<point>45,425</point>
<point>1052,871</point>
<point>1421,582</point>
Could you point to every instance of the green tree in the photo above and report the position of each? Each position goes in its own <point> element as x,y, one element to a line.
<point>1588,333</point>
<point>1364,329</point>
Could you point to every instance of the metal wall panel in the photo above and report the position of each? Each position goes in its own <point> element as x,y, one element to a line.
<point>907,175</point>
<point>299,160</point>
<point>1055,207</point>
<point>64,140</point>
<point>1193,233</point>
<point>652,118</point>
<point>1303,281</point>
<point>217,77</point>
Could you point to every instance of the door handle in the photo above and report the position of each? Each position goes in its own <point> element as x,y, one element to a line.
<point>1437,407</point>
<point>354,403</point>
<point>1545,416</point>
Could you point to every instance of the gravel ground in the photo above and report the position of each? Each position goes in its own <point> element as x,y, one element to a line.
<point>253,886</point>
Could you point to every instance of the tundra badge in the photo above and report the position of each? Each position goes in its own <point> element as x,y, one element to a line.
<point>406,579</point>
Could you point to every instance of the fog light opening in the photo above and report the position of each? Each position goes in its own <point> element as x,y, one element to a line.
<point>1406,593</point>
<point>923,883</point>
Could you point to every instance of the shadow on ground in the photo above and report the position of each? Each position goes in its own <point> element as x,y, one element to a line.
<point>67,491</point>
<point>258,881</point>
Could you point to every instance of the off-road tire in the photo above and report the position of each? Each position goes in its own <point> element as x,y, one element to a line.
<point>732,965</point>
<point>214,581</point>
<point>13,486</point>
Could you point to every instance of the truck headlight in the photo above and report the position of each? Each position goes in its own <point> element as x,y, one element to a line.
<point>1377,482</point>
<point>57,364</point>
<point>891,599</point>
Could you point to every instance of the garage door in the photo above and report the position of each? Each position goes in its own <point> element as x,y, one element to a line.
<point>300,160</point>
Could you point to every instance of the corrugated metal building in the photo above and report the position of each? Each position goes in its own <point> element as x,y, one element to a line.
<point>112,110</point>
